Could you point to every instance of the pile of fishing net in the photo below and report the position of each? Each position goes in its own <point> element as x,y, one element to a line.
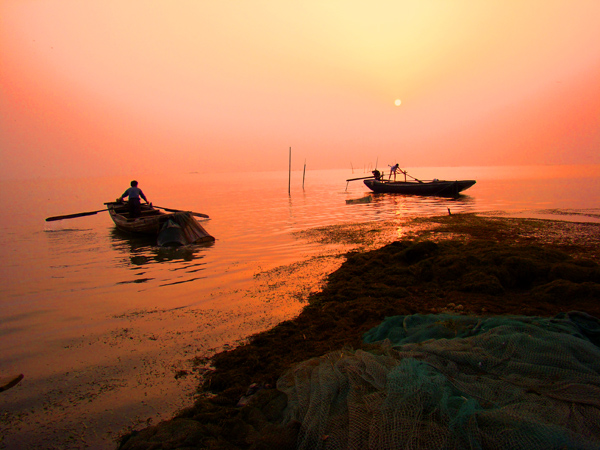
<point>455,382</point>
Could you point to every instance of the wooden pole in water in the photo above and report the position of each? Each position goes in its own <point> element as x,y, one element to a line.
<point>303,174</point>
<point>290,173</point>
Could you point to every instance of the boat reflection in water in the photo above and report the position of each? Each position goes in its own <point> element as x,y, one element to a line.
<point>410,206</point>
<point>155,265</point>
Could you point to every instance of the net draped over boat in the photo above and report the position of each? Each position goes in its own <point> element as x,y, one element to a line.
<point>454,382</point>
<point>191,229</point>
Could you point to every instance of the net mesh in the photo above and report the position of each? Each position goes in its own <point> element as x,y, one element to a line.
<point>454,382</point>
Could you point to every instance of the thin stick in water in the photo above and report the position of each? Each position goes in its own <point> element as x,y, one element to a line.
<point>303,174</point>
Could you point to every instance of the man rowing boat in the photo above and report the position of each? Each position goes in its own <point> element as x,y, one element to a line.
<point>134,193</point>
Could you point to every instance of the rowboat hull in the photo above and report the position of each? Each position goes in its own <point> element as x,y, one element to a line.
<point>153,222</point>
<point>426,188</point>
<point>149,223</point>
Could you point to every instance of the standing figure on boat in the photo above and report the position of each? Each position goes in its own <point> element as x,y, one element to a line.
<point>393,170</point>
<point>134,193</point>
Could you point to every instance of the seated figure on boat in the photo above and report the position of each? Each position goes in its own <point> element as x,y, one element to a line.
<point>377,174</point>
<point>134,193</point>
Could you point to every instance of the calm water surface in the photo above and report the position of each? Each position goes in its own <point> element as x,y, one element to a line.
<point>103,325</point>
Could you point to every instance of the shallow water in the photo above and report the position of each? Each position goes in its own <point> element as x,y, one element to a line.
<point>103,325</point>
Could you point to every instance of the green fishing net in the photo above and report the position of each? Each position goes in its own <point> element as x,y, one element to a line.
<point>454,382</point>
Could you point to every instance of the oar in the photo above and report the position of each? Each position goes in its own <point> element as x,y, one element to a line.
<point>405,173</point>
<point>361,178</point>
<point>179,210</point>
<point>354,179</point>
<point>73,216</point>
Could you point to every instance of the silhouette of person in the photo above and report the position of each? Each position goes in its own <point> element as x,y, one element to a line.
<point>134,193</point>
<point>393,170</point>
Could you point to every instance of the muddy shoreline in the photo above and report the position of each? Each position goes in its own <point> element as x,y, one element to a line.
<point>462,264</point>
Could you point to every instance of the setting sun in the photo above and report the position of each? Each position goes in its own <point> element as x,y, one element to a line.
<point>398,102</point>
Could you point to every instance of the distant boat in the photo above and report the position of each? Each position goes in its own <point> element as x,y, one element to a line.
<point>170,229</point>
<point>439,188</point>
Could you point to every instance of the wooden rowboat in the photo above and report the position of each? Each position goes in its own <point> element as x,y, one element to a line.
<point>439,188</point>
<point>179,228</point>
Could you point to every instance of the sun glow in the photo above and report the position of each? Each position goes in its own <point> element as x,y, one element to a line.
<point>82,83</point>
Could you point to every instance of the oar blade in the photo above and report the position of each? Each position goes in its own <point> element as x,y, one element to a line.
<point>360,178</point>
<point>205,216</point>
<point>73,216</point>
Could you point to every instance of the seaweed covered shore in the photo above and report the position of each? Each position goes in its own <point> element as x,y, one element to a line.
<point>461,264</point>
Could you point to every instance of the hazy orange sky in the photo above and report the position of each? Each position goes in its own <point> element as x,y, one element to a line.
<point>100,87</point>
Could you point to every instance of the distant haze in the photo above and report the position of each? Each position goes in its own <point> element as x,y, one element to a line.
<point>101,87</point>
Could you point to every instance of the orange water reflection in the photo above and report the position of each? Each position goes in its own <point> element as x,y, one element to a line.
<point>99,322</point>
<point>184,264</point>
